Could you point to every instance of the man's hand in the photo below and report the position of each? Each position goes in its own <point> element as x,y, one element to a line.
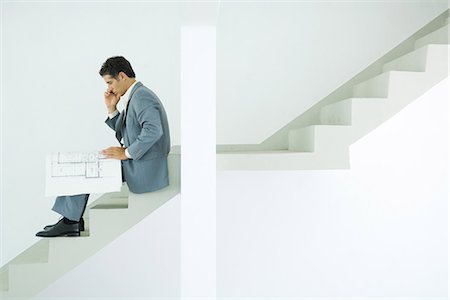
<point>115,152</point>
<point>111,100</point>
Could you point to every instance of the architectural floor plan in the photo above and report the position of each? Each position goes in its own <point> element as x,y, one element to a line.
<point>88,165</point>
<point>70,173</point>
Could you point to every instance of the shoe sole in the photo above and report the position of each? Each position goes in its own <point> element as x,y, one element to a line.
<point>49,227</point>
<point>72,234</point>
<point>68,234</point>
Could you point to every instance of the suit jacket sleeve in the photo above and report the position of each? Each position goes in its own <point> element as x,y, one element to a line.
<point>149,119</point>
<point>112,122</point>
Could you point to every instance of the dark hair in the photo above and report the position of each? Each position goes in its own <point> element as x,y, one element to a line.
<point>113,65</point>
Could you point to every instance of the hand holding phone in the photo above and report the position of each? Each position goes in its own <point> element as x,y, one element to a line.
<point>111,100</point>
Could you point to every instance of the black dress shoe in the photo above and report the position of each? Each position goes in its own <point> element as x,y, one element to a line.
<point>61,229</point>
<point>61,220</point>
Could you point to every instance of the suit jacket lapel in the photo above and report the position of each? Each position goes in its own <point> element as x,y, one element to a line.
<point>136,86</point>
<point>123,115</point>
<point>119,125</point>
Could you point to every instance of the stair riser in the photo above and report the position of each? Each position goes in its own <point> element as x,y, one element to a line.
<point>107,223</point>
<point>146,204</point>
<point>4,279</point>
<point>367,115</point>
<point>339,113</point>
<point>397,85</point>
<point>406,87</point>
<point>413,61</point>
<point>302,139</point>
<point>330,139</point>
<point>427,58</point>
<point>355,112</point>
<point>322,139</point>
<point>80,247</point>
<point>438,59</point>
<point>376,87</point>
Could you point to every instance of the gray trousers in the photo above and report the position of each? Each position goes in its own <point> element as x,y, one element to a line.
<point>72,207</point>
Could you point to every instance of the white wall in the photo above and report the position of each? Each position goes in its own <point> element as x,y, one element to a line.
<point>52,94</point>
<point>379,229</point>
<point>277,59</point>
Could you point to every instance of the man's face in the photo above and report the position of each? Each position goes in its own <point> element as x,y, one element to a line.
<point>116,86</point>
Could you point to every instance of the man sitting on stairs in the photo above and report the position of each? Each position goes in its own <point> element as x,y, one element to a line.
<point>143,133</point>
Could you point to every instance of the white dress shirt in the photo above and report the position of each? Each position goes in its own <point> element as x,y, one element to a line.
<point>126,97</point>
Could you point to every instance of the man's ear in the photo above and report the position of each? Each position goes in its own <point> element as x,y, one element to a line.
<point>122,75</point>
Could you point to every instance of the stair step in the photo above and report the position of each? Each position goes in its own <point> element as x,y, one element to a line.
<point>364,114</point>
<point>111,206</point>
<point>416,82</point>
<point>25,280</point>
<point>352,111</point>
<point>319,138</point>
<point>422,59</point>
<point>61,247</point>
<point>109,220</point>
<point>112,198</point>
<point>28,280</point>
<point>65,253</point>
<point>412,61</point>
<point>388,84</point>
<point>144,204</point>
<point>281,160</point>
<point>375,87</point>
<point>4,279</point>
<point>438,58</point>
<point>439,36</point>
<point>302,139</point>
<point>37,253</point>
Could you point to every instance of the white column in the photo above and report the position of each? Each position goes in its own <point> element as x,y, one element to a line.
<point>198,162</point>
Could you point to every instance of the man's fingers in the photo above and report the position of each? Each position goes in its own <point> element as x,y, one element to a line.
<point>107,151</point>
<point>114,152</point>
<point>110,150</point>
<point>109,154</point>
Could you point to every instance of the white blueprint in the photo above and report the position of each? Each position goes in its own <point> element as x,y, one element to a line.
<point>72,173</point>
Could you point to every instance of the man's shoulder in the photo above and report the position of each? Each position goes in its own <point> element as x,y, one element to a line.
<point>144,96</point>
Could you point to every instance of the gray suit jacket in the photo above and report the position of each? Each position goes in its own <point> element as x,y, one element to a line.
<point>145,133</point>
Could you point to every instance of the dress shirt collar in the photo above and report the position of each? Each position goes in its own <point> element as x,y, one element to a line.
<point>126,96</point>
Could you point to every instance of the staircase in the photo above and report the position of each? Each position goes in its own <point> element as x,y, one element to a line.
<point>323,143</point>
<point>107,218</point>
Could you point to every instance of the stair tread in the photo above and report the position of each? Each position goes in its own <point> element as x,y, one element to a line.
<point>83,234</point>
<point>362,99</point>
<point>265,152</point>
<point>37,253</point>
<point>110,206</point>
